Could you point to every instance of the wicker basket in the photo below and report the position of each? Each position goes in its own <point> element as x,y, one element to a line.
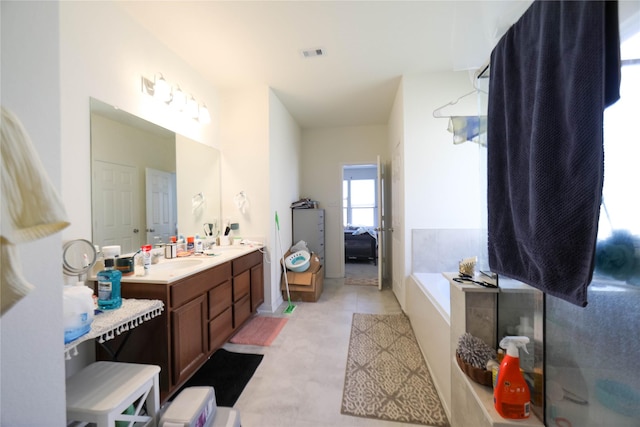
<point>481,376</point>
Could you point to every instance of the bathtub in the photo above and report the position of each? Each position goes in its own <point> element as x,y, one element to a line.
<point>429,310</point>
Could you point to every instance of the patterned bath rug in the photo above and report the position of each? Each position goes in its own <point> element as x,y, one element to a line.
<point>386,376</point>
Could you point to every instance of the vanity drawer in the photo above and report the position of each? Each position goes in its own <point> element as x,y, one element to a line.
<point>220,298</point>
<point>220,328</point>
<point>241,311</point>
<point>246,262</point>
<point>241,285</point>
<point>199,284</point>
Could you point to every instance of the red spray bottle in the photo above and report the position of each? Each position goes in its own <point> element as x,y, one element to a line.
<point>511,395</point>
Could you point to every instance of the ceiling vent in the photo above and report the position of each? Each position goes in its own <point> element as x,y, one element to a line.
<point>310,53</point>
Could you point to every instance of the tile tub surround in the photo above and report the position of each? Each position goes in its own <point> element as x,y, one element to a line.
<point>436,250</point>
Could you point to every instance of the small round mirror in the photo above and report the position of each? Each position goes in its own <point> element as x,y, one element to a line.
<point>78,257</point>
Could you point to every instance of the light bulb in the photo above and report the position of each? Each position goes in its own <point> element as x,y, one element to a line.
<point>179,99</point>
<point>161,89</point>
<point>192,108</point>
<point>205,117</point>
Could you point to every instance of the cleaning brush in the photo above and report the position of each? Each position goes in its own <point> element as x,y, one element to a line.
<point>474,351</point>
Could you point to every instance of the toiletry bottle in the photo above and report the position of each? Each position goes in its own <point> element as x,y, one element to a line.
<point>190,244</point>
<point>109,286</point>
<point>138,264</point>
<point>493,366</point>
<point>199,245</point>
<point>182,244</point>
<point>146,258</point>
<point>511,395</point>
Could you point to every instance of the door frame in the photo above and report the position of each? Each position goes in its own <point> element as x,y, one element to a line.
<point>381,196</point>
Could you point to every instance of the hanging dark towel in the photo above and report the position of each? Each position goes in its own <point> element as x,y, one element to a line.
<point>552,75</point>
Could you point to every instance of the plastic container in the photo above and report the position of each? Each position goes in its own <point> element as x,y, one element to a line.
<point>511,395</point>
<point>109,296</point>
<point>170,250</point>
<point>298,262</point>
<point>125,265</point>
<point>78,311</point>
<point>146,258</point>
<point>194,406</point>
<point>493,366</point>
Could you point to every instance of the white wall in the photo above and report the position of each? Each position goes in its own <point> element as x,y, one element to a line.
<point>260,149</point>
<point>32,383</point>
<point>442,178</point>
<point>198,167</point>
<point>324,153</point>
<point>439,182</point>
<point>245,154</point>
<point>284,187</point>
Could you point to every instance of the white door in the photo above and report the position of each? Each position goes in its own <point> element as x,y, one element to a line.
<point>115,205</point>
<point>397,212</point>
<point>381,223</point>
<point>161,216</point>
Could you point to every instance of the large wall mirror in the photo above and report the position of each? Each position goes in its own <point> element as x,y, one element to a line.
<point>148,183</point>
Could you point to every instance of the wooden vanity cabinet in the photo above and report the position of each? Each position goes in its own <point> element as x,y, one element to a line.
<point>248,276</point>
<point>248,286</point>
<point>189,339</point>
<point>201,312</point>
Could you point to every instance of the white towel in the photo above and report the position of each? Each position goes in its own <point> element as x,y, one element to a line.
<point>31,207</point>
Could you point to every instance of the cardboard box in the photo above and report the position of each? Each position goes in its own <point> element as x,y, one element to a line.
<point>305,286</point>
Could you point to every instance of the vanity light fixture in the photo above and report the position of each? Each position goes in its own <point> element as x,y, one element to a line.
<point>160,90</point>
<point>205,117</point>
<point>192,108</point>
<point>178,99</point>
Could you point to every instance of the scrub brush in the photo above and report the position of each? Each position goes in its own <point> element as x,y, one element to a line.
<point>474,351</point>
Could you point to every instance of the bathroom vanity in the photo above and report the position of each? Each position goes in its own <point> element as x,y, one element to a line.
<point>206,299</point>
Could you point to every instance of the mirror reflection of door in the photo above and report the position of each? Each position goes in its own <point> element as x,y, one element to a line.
<point>360,209</point>
<point>115,206</point>
<point>161,213</point>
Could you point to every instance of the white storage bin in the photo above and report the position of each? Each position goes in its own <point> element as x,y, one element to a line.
<point>196,407</point>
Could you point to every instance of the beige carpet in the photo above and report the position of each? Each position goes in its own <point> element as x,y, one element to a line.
<point>386,376</point>
<point>360,273</point>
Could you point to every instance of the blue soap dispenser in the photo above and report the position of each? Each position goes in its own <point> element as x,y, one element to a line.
<point>109,297</point>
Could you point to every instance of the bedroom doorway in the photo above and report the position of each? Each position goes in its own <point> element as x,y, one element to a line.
<point>361,218</point>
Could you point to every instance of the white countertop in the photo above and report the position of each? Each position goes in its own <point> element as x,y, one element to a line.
<point>167,271</point>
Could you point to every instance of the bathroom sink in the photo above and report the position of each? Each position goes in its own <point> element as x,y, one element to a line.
<point>218,250</point>
<point>176,264</point>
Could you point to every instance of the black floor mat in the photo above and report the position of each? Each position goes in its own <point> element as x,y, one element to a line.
<point>228,373</point>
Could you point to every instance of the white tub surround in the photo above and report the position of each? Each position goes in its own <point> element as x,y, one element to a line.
<point>474,310</point>
<point>428,309</point>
